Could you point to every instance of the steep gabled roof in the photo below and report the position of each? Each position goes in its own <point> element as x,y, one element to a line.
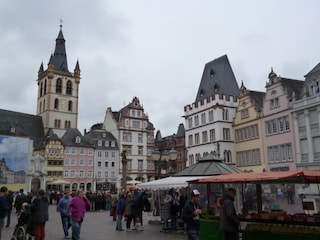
<point>217,77</point>
<point>93,136</point>
<point>181,130</point>
<point>69,138</point>
<point>21,125</point>
<point>294,88</point>
<point>314,71</point>
<point>258,99</point>
<point>59,58</point>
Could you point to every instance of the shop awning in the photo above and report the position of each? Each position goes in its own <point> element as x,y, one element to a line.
<point>306,176</point>
<point>167,183</point>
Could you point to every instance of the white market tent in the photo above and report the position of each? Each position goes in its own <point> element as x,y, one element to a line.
<point>169,182</point>
<point>207,166</point>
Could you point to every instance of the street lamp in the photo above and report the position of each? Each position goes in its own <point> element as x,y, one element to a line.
<point>124,162</point>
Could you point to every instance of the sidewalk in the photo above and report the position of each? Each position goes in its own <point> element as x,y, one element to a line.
<point>99,226</point>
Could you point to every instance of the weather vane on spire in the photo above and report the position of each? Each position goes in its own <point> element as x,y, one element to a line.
<point>61,21</point>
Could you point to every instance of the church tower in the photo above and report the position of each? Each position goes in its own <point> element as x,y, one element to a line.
<point>58,91</point>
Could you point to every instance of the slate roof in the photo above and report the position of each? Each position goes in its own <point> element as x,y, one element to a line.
<point>217,77</point>
<point>94,136</point>
<point>50,136</point>
<point>181,131</point>
<point>59,57</point>
<point>24,125</point>
<point>258,98</point>
<point>208,166</point>
<point>69,138</point>
<point>293,87</point>
<point>313,71</point>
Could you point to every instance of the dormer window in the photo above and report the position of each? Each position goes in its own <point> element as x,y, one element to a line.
<point>113,144</point>
<point>212,73</point>
<point>106,143</point>
<point>78,139</point>
<point>99,143</point>
<point>12,129</point>
<point>215,88</point>
<point>201,93</point>
<point>104,135</point>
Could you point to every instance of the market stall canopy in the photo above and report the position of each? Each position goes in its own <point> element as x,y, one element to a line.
<point>305,176</point>
<point>208,166</point>
<point>58,182</point>
<point>133,182</point>
<point>167,183</point>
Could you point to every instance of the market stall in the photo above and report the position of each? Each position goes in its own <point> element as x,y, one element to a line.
<point>266,222</point>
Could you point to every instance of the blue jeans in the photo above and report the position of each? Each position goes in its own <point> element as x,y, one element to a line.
<point>193,234</point>
<point>66,223</point>
<point>119,222</point>
<point>173,222</point>
<point>108,205</point>
<point>8,217</point>
<point>76,227</point>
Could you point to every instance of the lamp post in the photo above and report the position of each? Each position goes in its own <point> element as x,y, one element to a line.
<point>124,162</point>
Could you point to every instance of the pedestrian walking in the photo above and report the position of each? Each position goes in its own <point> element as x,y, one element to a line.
<point>229,221</point>
<point>39,215</point>
<point>129,211</point>
<point>77,209</point>
<point>3,207</point>
<point>120,210</point>
<point>191,216</point>
<point>63,209</point>
<point>9,209</point>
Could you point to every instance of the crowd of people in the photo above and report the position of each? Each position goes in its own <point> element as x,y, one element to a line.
<point>33,211</point>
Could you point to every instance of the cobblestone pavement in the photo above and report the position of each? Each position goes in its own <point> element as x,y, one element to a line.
<point>98,226</point>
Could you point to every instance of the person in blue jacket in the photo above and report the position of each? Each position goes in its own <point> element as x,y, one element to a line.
<point>120,211</point>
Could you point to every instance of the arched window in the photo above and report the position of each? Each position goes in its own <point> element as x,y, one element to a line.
<point>45,86</point>
<point>70,106</point>
<point>59,85</point>
<point>40,90</point>
<point>40,107</point>
<point>56,103</point>
<point>67,124</point>
<point>57,123</point>
<point>44,106</point>
<point>69,88</point>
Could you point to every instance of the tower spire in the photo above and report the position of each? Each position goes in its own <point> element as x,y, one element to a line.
<point>61,21</point>
<point>59,58</point>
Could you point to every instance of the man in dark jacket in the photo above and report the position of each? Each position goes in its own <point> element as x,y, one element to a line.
<point>229,221</point>
<point>20,199</point>
<point>39,215</point>
<point>191,213</point>
<point>3,206</point>
<point>9,210</point>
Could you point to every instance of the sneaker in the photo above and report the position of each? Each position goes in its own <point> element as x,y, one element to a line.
<point>67,237</point>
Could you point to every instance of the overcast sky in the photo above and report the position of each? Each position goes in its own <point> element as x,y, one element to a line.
<point>155,50</point>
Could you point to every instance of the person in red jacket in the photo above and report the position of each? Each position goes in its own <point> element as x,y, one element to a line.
<point>77,209</point>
